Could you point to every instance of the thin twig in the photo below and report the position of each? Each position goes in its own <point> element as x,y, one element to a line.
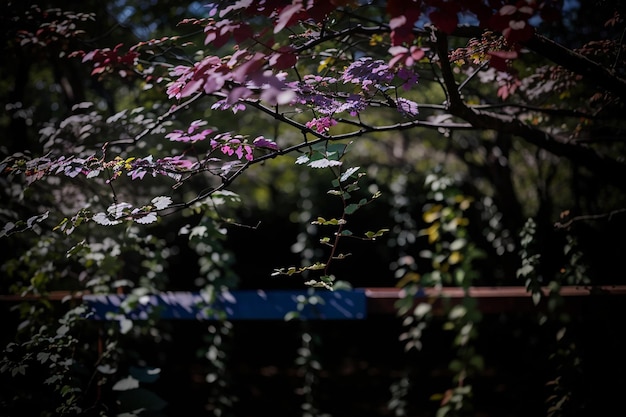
<point>588,217</point>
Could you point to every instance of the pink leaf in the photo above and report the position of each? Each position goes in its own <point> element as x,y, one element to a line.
<point>287,16</point>
<point>284,58</point>
<point>190,88</point>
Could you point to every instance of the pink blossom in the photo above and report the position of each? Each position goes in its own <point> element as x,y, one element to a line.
<point>262,142</point>
<point>321,125</point>
<point>405,56</point>
<point>227,150</point>
<point>240,152</point>
<point>195,125</point>
<point>137,174</point>
<point>177,162</point>
<point>180,136</point>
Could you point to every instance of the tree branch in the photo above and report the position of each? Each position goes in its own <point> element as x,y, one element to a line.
<point>611,170</point>
<point>568,224</point>
<point>593,72</point>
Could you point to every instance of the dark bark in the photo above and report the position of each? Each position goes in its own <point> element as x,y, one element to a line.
<point>611,170</point>
<point>593,73</point>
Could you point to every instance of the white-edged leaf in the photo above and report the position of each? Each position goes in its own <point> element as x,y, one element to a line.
<point>82,105</point>
<point>103,219</point>
<point>36,219</point>
<point>7,228</point>
<point>126,384</point>
<point>348,173</point>
<point>199,231</point>
<point>117,116</point>
<point>43,357</point>
<point>161,202</point>
<point>125,325</point>
<point>117,210</point>
<point>324,163</point>
<point>93,173</point>
<point>106,369</point>
<point>147,219</point>
<point>62,330</point>
<point>302,159</point>
<point>422,309</point>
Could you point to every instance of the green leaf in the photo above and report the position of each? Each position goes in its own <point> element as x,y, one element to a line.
<point>318,284</point>
<point>76,248</point>
<point>341,285</point>
<point>58,226</point>
<point>456,366</point>
<point>459,276</point>
<point>292,315</point>
<point>351,208</point>
<point>332,222</point>
<point>373,235</point>
<point>331,151</point>
<point>327,278</point>
<point>352,187</point>
<point>403,305</point>
<point>477,362</point>
<point>316,266</point>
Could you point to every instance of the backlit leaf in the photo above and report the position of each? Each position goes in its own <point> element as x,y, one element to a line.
<point>126,384</point>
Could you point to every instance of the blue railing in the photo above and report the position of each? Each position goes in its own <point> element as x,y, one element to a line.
<point>236,305</point>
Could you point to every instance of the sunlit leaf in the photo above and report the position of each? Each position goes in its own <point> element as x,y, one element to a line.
<point>147,218</point>
<point>125,325</point>
<point>144,374</point>
<point>42,357</point>
<point>125,384</point>
<point>106,369</point>
<point>349,173</point>
<point>302,159</point>
<point>161,202</point>
<point>324,163</point>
